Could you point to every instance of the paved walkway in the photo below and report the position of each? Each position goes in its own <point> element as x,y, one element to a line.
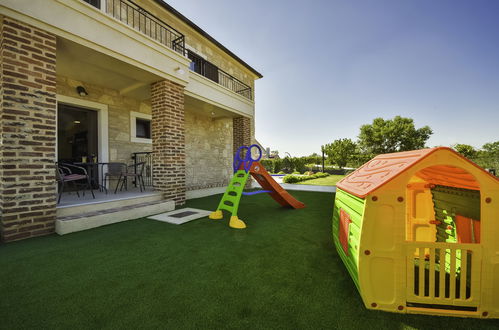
<point>308,187</point>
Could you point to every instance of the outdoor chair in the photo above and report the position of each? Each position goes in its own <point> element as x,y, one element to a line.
<point>134,171</point>
<point>65,176</point>
<point>113,170</point>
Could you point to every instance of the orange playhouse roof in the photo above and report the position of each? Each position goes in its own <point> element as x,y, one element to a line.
<point>383,168</point>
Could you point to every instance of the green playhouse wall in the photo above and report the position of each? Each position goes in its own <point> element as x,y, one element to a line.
<point>354,206</point>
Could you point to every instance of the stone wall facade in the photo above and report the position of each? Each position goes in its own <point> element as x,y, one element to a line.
<point>168,139</point>
<point>208,151</point>
<point>28,131</point>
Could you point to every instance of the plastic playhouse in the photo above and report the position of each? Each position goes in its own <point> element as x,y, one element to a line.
<point>418,232</point>
<point>243,168</point>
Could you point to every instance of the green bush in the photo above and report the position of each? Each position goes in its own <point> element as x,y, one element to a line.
<point>291,179</point>
<point>277,165</point>
<point>299,164</point>
<point>268,164</point>
<point>281,172</point>
<point>294,179</point>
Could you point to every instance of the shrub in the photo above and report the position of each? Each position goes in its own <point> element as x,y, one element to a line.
<point>277,165</point>
<point>294,179</point>
<point>296,172</point>
<point>268,164</point>
<point>291,179</point>
<point>281,172</point>
<point>299,164</point>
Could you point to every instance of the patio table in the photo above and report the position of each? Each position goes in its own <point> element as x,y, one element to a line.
<point>91,169</point>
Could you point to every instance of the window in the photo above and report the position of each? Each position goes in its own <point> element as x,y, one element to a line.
<point>344,230</point>
<point>95,3</point>
<point>140,127</point>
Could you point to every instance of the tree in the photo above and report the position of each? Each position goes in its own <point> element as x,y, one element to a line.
<point>340,151</point>
<point>466,150</point>
<point>492,148</point>
<point>392,135</point>
<point>488,156</point>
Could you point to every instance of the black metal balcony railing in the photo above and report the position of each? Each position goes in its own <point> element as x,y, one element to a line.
<point>141,20</point>
<point>212,72</point>
<point>138,18</point>
<point>234,84</point>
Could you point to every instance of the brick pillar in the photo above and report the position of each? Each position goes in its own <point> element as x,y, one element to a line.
<point>168,139</point>
<point>28,131</point>
<point>242,132</point>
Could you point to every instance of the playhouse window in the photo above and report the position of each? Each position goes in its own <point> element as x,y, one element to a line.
<point>443,205</point>
<point>344,230</point>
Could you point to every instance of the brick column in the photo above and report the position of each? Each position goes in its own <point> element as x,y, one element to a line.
<point>168,139</point>
<point>242,132</point>
<point>28,131</point>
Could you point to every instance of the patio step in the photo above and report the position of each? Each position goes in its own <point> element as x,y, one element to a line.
<point>91,206</point>
<point>96,218</point>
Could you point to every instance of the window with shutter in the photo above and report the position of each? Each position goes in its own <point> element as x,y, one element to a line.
<point>344,230</point>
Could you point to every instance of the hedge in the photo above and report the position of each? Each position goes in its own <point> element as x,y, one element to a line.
<point>294,178</point>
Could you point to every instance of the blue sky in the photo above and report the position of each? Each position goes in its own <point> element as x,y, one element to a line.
<point>331,66</point>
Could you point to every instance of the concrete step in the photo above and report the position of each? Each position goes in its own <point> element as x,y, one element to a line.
<point>96,218</point>
<point>98,205</point>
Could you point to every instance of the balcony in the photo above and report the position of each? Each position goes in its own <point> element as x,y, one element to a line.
<point>212,72</point>
<point>141,20</point>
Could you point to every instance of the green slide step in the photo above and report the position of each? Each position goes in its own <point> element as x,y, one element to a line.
<point>231,198</point>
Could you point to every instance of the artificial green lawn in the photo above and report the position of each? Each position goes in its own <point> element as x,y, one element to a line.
<point>327,181</point>
<point>280,272</point>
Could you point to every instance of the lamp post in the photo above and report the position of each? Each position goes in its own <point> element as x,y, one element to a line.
<point>322,149</point>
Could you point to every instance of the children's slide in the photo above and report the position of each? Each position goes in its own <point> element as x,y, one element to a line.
<point>278,193</point>
<point>242,169</point>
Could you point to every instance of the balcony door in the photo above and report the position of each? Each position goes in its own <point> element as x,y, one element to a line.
<point>203,67</point>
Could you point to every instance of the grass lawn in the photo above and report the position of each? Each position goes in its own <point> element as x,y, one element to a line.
<point>327,181</point>
<point>280,272</point>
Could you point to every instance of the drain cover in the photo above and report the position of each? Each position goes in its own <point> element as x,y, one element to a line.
<point>182,214</point>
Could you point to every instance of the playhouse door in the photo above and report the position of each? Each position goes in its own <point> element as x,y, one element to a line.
<point>443,276</point>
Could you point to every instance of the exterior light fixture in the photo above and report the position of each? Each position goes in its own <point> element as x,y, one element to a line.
<point>179,70</point>
<point>81,91</point>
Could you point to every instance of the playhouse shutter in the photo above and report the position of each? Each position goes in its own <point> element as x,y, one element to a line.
<point>468,230</point>
<point>344,230</point>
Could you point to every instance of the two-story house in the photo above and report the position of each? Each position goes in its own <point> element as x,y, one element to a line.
<point>106,80</point>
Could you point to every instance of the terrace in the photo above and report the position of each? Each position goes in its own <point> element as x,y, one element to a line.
<point>281,272</point>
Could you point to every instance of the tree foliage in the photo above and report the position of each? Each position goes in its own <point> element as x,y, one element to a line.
<point>340,151</point>
<point>392,135</point>
<point>466,150</point>
<point>488,156</point>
